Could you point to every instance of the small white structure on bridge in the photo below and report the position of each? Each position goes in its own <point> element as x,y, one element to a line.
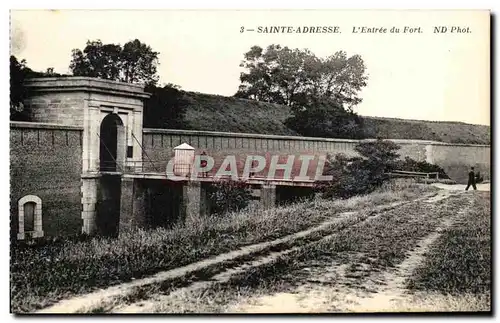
<point>183,160</point>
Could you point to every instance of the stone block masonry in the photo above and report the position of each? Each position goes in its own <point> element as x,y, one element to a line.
<point>132,203</point>
<point>45,161</point>
<point>89,191</point>
<point>57,108</point>
<point>158,145</point>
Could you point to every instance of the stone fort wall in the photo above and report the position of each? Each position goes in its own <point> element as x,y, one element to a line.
<point>46,161</point>
<point>158,147</point>
<point>457,159</point>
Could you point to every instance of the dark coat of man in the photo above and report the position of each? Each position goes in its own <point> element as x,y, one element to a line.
<point>472,180</point>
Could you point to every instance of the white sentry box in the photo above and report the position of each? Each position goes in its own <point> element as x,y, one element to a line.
<point>183,159</point>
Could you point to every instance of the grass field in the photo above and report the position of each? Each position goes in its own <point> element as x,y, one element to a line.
<point>43,275</point>
<point>367,248</point>
<point>229,114</point>
<point>454,274</point>
<point>458,266</point>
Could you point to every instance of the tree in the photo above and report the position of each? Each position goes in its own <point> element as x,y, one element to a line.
<point>289,76</point>
<point>166,108</point>
<point>19,72</point>
<point>135,62</point>
<point>321,92</point>
<point>325,118</point>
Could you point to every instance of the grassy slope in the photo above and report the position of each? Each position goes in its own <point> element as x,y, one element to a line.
<point>219,113</point>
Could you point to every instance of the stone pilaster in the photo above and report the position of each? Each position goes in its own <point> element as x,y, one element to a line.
<point>429,154</point>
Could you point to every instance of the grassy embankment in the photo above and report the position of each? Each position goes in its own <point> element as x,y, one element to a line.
<point>229,114</point>
<point>42,275</point>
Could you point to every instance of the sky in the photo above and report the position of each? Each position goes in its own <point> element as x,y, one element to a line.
<point>425,76</point>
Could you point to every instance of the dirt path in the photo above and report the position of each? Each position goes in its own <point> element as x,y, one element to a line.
<point>461,187</point>
<point>382,292</point>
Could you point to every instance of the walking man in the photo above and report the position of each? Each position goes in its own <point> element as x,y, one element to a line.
<point>472,180</point>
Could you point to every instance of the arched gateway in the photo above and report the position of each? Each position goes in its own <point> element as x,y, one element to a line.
<point>111,143</point>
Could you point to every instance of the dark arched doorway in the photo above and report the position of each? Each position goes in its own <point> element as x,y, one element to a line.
<point>111,141</point>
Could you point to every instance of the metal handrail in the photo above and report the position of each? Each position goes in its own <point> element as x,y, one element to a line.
<point>402,173</point>
<point>416,173</point>
<point>115,162</point>
<point>143,150</point>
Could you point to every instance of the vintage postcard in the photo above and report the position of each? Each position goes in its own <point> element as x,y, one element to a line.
<point>250,161</point>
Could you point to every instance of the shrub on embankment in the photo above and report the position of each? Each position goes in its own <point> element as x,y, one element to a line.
<point>42,274</point>
<point>370,170</point>
<point>362,174</point>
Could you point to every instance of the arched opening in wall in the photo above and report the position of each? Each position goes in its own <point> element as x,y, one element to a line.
<point>30,217</point>
<point>112,143</point>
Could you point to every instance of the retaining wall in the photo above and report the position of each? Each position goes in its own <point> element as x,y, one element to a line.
<point>158,146</point>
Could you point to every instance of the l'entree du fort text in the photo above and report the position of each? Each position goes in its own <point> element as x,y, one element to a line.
<point>355,30</point>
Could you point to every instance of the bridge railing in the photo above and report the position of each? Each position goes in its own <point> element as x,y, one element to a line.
<point>431,177</point>
<point>154,167</point>
<point>401,173</point>
<point>142,168</point>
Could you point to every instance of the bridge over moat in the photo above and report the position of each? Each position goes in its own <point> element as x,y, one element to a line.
<point>95,168</point>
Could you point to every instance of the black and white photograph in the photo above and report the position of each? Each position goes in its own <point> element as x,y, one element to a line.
<point>250,161</point>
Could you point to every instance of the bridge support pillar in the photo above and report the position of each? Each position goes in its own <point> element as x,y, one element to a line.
<point>268,196</point>
<point>132,203</point>
<point>89,201</point>
<point>194,201</point>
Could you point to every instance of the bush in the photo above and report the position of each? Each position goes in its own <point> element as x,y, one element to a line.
<point>361,175</point>
<point>228,196</point>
